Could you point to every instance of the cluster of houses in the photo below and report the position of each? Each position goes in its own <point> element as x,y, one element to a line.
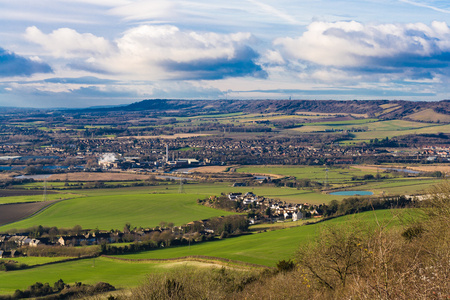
<point>10,242</point>
<point>18,241</point>
<point>279,209</point>
<point>436,151</point>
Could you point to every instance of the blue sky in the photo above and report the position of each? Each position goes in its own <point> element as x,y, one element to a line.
<point>78,53</point>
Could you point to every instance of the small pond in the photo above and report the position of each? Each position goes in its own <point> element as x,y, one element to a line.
<point>402,170</point>
<point>352,193</point>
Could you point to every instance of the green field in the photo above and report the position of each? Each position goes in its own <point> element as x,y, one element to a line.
<point>263,248</point>
<point>89,271</point>
<point>114,211</point>
<point>316,173</point>
<point>146,206</point>
<point>32,261</point>
<point>342,177</point>
<point>37,198</point>
<point>59,185</point>
<point>401,186</point>
<point>375,129</point>
<point>370,125</point>
<point>203,190</point>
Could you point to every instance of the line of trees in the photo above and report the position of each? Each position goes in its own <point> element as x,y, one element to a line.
<point>354,205</point>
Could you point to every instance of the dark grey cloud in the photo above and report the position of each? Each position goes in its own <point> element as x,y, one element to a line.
<point>242,64</point>
<point>12,64</point>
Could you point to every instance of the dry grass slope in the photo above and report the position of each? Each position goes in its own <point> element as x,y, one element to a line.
<point>429,115</point>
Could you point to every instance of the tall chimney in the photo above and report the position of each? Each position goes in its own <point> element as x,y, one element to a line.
<point>167,153</point>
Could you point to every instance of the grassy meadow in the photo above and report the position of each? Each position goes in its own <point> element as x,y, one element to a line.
<point>33,261</point>
<point>203,190</point>
<point>147,206</point>
<point>374,129</point>
<point>342,178</point>
<point>269,247</point>
<point>37,198</point>
<point>316,173</point>
<point>265,248</point>
<point>114,211</point>
<point>89,271</point>
<point>112,208</point>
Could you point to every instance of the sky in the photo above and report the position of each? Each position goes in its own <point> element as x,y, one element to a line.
<point>82,53</point>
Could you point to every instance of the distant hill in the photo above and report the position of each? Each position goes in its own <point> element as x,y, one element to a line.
<point>383,109</point>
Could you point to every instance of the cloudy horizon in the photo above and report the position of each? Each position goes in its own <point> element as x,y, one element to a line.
<point>84,53</point>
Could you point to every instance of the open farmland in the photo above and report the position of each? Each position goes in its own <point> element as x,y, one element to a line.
<point>12,193</point>
<point>114,211</point>
<point>307,154</point>
<point>36,260</point>
<point>316,173</point>
<point>96,176</point>
<point>89,271</point>
<point>380,134</point>
<point>14,212</point>
<point>204,190</point>
<point>375,129</point>
<point>38,197</point>
<point>263,248</point>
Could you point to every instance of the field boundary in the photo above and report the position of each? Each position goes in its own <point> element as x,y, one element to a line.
<point>48,204</point>
<point>62,261</point>
<point>198,258</point>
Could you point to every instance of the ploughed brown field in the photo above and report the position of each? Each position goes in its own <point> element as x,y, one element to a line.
<point>211,169</point>
<point>427,168</point>
<point>96,176</point>
<point>15,212</point>
<point>11,193</point>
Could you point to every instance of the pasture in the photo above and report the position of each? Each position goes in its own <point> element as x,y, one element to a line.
<point>114,211</point>
<point>265,248</point>
<point>336,175</point>
<point>203,190</point>
<point>374,129</point>
<point>33,261</point>
<point>147,206</point>
<point>89,271</point>
<point>342,177</point>
<point>268,248</point>
<point>38,198</point>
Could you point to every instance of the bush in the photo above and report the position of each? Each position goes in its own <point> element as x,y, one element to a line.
<point>286,265</point>
<point>194,284</point>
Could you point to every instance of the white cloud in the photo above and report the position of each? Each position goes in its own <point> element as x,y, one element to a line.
<point>168,42</point>
<point>68,43</point>
<point>352,44</point>
<point>145,51</point>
